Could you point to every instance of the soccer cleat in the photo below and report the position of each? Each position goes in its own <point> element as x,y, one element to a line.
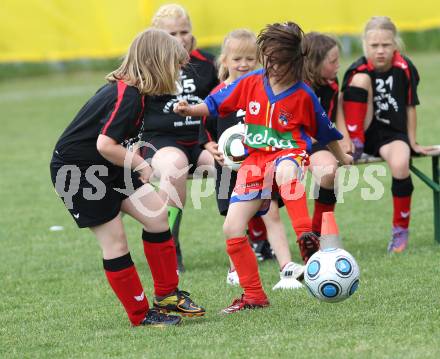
<point>399,240</point>
<point>289,276</point>
<point>242,304</point>
<point>308,244</point>
<point>262,250</point>
<point>232,278</point>
<point>155,318</point>
<point>180,303</point>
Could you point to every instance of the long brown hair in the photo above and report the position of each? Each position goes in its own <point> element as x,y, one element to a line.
<point>281,44</point>
<point>317,45</point>
<point>152,63</point>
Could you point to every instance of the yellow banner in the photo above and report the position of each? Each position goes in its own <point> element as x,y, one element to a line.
<point>51,30</point>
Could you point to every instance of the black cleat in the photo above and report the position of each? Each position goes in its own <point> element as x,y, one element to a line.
<point>180,303</point>
<point>308,245</point>
<point>263,251</point>
<point>155,318</point>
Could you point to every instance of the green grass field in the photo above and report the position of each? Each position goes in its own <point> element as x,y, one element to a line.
<point>56,303</point>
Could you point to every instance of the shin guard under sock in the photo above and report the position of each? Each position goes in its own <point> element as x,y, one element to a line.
<point>325,202</point>
<point>246,265</point>
<point>294,198</point>
<point>402,190</point>
<point>160,252</point>
<point>355,107</point>
<point>124,280</point>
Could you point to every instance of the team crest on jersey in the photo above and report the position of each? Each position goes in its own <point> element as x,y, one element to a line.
<point>284,118</point>
<point>254,107</point>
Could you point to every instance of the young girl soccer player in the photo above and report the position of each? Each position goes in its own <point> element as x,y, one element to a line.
<point>322,65</point>
<point>282,114</point>
<point>237,58</point>
<point>175,140</point>
<point>89,158</point>
<point>380,98</point>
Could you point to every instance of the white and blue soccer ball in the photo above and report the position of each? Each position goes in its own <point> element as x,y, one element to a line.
<point>230,144</point>
<point>332,275</point>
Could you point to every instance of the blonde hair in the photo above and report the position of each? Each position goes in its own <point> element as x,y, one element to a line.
<point>239,34</point>
<point>152,63</point>
<point>382,23</point>
<point>171,11</point>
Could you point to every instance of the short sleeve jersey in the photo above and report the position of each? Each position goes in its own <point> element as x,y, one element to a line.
<point>115,110</point>
<point>287,120</point>
<point>328,98</point>
<point>197,80</point>
<point>393,90</point>
<point>211,128</point>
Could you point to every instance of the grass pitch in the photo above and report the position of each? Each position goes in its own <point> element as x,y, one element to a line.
<point>55,301</point>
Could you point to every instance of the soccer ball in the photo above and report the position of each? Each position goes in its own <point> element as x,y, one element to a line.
<point>230,144</point>
<point>332,275</point>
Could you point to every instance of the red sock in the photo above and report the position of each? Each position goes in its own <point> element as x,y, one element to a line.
<point>257,229</point>
<point>127,287</point>
<point>246,266</point>
<point>320,208</point>
<point>355,110</point>
<point>294,198</point>
<point>162,259</point>
<point>401,213</point>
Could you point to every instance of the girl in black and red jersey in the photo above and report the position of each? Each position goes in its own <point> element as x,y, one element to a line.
<point>94,173</point>
<point>238,57</point>
<point>173,142</point>
<point>379,102</point>
<point>322,67</point>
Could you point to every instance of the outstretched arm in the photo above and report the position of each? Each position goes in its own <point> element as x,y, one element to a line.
<point>183,108</point>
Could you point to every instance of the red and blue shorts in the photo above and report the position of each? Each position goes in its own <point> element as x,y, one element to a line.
<point>256,176</point>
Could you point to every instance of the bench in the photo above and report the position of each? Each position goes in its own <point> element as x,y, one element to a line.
<point>433,183</point>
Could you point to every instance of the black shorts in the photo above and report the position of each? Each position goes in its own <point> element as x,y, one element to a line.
<point>224,185</point>
<point>318,147</point>
<point>192,150</point>
<point>378,135</point>
<point>93,200</point>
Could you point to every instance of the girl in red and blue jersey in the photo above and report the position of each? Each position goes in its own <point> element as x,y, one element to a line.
<point>282,116</point>
<point>238,57</point>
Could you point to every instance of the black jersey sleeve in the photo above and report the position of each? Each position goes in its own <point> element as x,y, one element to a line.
<point>412,97</point>
<point>124,116</point>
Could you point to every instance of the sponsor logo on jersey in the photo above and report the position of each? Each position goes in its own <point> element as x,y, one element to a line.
<point>254,107</point>
<point>258,136</point>
<point>284,118</point>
